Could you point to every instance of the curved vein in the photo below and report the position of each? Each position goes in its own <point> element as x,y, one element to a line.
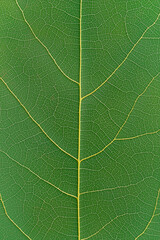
<point>105,225</point>
<point>44,45</point>
<point>11,219</point>
<point>35,120</point>
<point>153,215</point>
<point>123,60</point>
<point>35,174</point>
<point>115,138</point>
<point>141,135</point>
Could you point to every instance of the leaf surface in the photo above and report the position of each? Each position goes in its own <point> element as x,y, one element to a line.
<point>80,119</point>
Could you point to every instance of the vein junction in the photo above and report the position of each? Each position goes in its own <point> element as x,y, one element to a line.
<point>35,174</point>
<point>142,36</point>
<point>79,138</point>
<point>125,214</point>
<point>115,138</point>
<point>13,94</point>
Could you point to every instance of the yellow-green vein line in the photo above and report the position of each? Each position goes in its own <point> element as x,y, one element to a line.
<point>35,120</point>
<point>79,128</point>
<point>105,226</point>
<point>11,219</point>
<point>151,217</point>
<point>115,188</point>
<point>115,138</point>
<point>123,60</point>
<point>35,174</point>
<point>44,45</point>
<point>134,137</point>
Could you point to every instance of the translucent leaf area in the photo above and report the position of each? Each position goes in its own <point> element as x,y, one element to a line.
<point>80,119</point>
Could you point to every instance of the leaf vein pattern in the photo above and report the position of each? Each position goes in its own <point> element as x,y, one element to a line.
<point>67,13</point>
<point>79,128</point>
<point>79,135</point>
<point>141,135</point>
<point>35,120</point>
<point>35,174</point>
<point>87,95</point>
<point>122,215</point>
<point>11,219</point>
<point>153,215</point>
<point>115,138</point>
<point>44,45</point>
<point>115,188</point>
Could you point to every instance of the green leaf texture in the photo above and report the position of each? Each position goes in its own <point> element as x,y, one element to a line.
<point>79,119</point>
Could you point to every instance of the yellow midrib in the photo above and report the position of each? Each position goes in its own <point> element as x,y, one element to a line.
<point>79,130</point>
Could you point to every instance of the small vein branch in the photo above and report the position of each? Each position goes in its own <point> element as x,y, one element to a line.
<point>44,45</point>
<point>35,174</point>
<point>157,214</point>
<point>152,38</point>
<point>115,138</point>
<point>141,135</point>
<point>153,215</point>
<point>35,120</point>
<point>11,219</point>
<point>114,188</point>
<point>135,104</point>
<point>123,60</point>
<point>105,226</point>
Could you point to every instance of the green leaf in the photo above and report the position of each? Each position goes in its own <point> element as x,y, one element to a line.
<point>80,119</point>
